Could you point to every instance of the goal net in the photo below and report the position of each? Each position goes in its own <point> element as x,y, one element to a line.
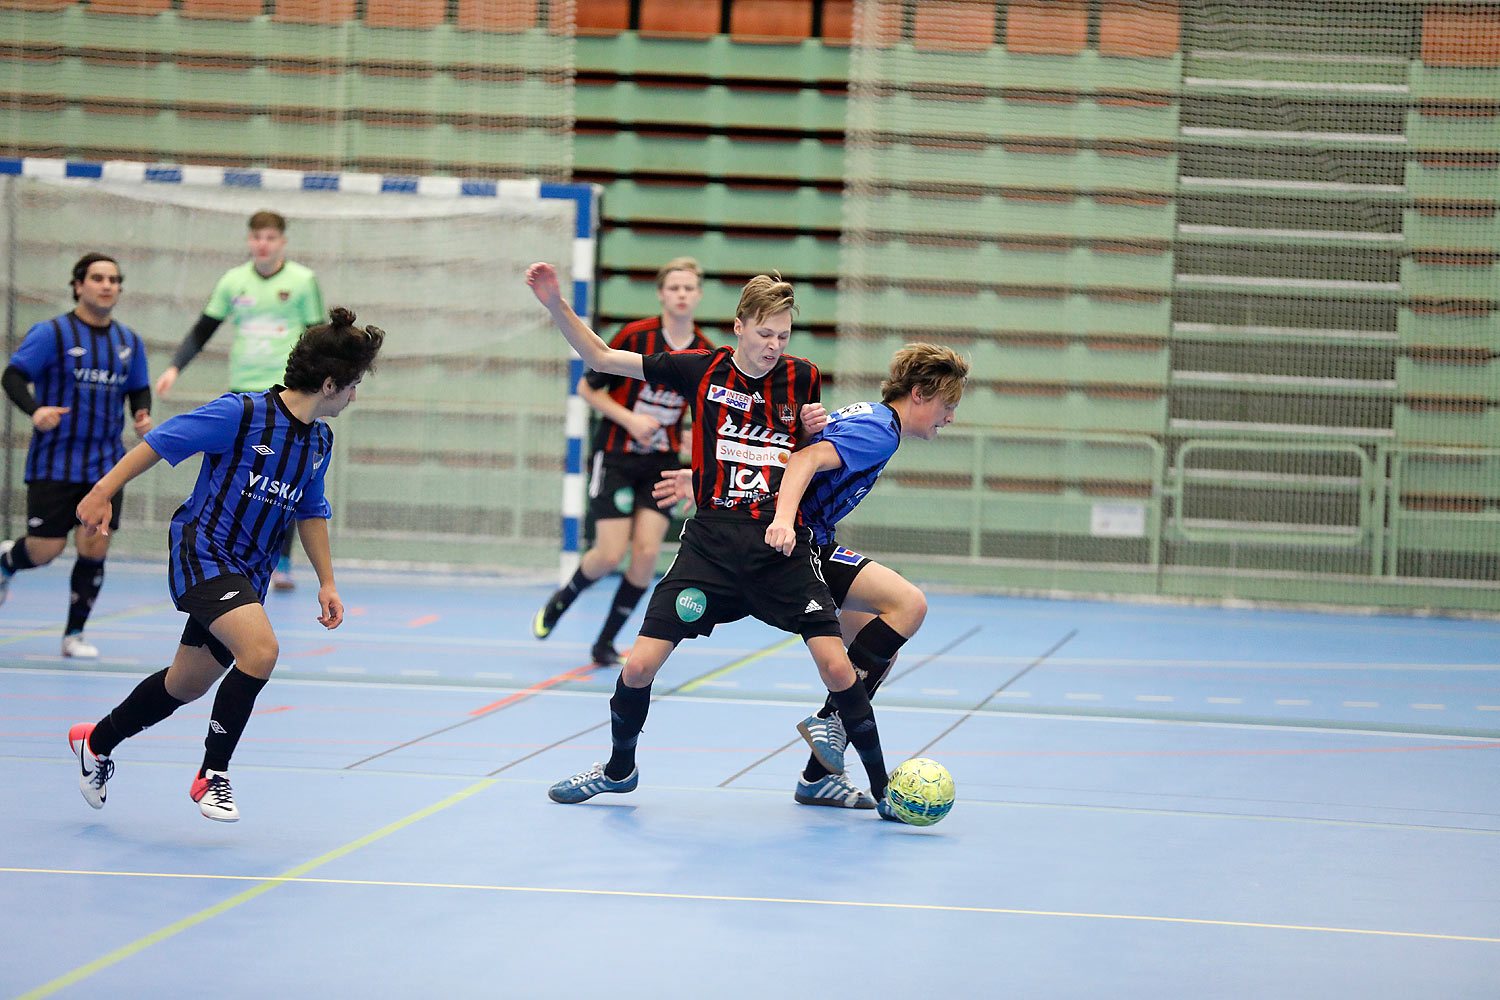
<point>453,453</point>
<point>1227,274</point>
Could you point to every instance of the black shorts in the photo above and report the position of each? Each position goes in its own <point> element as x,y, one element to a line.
<point>724,570</point>
<point>52,507</point>
<point>206,602</point>
<point>621,484</point>
<point>840,567</point>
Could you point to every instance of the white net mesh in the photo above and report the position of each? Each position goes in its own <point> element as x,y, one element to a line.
<point>452,453</point>
<point>1227,273</point>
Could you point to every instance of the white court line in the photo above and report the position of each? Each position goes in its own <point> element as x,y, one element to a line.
<point>1428,707</point>
<point>1293,701</point>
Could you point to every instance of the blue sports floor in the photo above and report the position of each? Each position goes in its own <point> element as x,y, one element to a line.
<point>1153,801</point>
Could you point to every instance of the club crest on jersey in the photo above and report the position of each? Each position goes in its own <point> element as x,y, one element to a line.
<point>846,556</point>
<point>786,413</point>
<point>727,396</point>
<point>283,295</point>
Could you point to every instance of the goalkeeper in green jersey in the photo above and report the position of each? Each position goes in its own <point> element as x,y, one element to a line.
<point>269,300</point>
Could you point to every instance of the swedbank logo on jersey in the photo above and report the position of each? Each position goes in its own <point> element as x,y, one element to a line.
<point>272,490</point>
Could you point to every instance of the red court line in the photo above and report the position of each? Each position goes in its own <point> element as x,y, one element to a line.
<point>424,620</point>
<point>573,674</point>
<point>320,651</point>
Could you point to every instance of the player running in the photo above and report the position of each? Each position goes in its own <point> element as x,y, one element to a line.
<point>639,436</point>
<point>265,459</point>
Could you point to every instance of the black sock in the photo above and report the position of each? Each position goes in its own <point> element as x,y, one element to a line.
<point>147,705</point>
<point>626,598</point>
<point>233,704</point>
<point>17,558</point>
<point>88,577</point>
<point>859,722</point>
<point>563,599</point>
<point>871,652</point>
<point>627,717</point>
<point>874,647</point>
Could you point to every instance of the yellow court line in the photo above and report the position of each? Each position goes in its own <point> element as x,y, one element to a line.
<point>743,661</point>
<point>42,633</point>
<point>694,897</point>
<point>266,885</point>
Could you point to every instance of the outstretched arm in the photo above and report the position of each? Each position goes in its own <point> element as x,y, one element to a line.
<point>815,458</point>
<point>94,508</point>
<point>595,353</point>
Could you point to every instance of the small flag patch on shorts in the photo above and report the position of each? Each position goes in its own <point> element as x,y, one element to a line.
<point>843,555</point>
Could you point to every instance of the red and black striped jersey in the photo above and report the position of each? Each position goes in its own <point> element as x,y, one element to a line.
<point>659,402</point>
<point>744,428</point>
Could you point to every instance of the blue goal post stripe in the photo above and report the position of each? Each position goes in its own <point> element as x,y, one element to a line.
<point>585,198</point>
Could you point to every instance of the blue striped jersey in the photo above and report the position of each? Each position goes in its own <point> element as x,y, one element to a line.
<point>866,435</point>
<point>262,467</point>
<point>91,370</point>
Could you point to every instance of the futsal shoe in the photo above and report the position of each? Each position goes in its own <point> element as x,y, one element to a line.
<point>832,790</point>
<point>827,739</point>
<point>5,547</point>
<point>93,771</point>
<point>75,646</point>
<point>586,784</point>
<point>214,796</point>
<point>546,618</point>
<point>884,810</point>
<point>605,655</point>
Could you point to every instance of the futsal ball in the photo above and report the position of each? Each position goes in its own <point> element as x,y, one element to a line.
<point>920,791</point>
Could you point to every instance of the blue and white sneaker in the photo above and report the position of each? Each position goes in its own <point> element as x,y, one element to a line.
<point>884,811</point>
<point>827,739</point>
<point>832,790</point>
<point>586,784</point>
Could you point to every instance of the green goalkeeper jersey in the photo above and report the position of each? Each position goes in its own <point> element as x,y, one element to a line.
<point>268,314</point>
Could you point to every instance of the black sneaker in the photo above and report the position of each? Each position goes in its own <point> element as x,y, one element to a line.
<point>605,655</point>
<point>541,625</point>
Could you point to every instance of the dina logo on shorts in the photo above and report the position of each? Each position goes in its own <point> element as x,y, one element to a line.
<point>691,604</point>
<point>624,499</point>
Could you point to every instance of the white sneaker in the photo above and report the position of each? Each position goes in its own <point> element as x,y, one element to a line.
<point>214,797</point>
<point>93,771</point>
<point>78,648</point>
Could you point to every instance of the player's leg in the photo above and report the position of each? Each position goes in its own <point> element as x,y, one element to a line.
<point>648,528</point>
<point>247,640</point>
<point>48,521</point>
<point>282,578</point>
<point>87,578</point>
<point>627,717</point>
<point>880,611</point>
<point>193,671</point>
<point>611,539</point>
<point>687,602</point>
<point>852,704</point>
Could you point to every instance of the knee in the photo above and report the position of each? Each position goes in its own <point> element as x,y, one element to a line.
<point>913,608</point>
<point>636,672</point>
<point>258,658</point>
